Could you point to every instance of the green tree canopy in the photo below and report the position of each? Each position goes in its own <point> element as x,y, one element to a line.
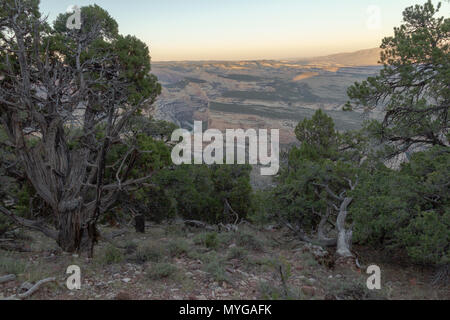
<point>413,87</point>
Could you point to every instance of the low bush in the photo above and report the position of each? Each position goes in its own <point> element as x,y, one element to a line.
<point>9,265</point>
<point>161,270</point>
<point>149,253</point>
<point>111,255</point>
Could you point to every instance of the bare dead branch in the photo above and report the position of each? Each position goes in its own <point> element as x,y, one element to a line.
<point>34,225</point>
<point>7,278</point>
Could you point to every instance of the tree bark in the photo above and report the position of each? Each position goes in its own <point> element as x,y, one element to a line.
<point>139,223</point>
<point>74,235</point>
<point>344,235</point>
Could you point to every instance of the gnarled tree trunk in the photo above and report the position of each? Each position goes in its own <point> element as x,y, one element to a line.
<point>344,239</point>
<point>74,233</point>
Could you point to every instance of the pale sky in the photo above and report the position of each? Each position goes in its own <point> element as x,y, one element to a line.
<point>250,29</point>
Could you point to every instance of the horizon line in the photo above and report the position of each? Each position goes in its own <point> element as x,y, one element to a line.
<point>267,59</point>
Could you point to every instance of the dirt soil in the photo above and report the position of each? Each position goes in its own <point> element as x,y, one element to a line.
<point>174,262</point>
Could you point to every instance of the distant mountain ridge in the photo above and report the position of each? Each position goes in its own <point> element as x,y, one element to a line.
<point>367,57</point>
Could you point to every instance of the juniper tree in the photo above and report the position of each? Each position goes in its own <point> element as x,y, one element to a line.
<point>413,88</point>
<point>66,97</point>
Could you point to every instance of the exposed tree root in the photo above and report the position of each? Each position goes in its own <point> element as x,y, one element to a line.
<point>31,291</point>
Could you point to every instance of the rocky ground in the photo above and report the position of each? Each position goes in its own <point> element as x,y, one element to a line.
<point>175,262</point>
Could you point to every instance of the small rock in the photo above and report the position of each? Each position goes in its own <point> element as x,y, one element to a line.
<point>311,280</point>
<point>126,280</point>
<point>110,295</point>
<point>123,296</point>
<point>309,291</point>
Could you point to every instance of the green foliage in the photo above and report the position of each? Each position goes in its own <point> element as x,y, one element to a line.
<point>133,55</point>
<point>211,240</point>
<point>16,193</point>
<point>407,209</point>
<point>94,18</point>
<point>130,54</point>
<point>31,13</point>
<point>217,270</point>
<point>112,255</point>
<point>325,158</point>
<point>161,270</point>
<point>108,72</point>
<point>157,129</point>
<point>10,265</point>
<point>300,197</point>
<point>280,290</point>
<point>270,291</point>
<point>152,252</point>
<point>177,247</point>
<point>427,237</point>
<point>237,253</point>
<point>349,288</point>
<point>413,86</point>
<point>208,239</point>
<point>249,240</point>
<point>130,247</point>
<point>149,156</point>
<point>192,192</point>
<point>199,191</point>
<point>317,135</point>
<point>262,202</point>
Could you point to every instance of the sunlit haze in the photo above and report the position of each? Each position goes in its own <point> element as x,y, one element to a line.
<point>250,29</point>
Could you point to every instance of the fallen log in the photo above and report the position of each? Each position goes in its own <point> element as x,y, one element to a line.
<point>31,291</point>
<point>7,278</point>
<point>14,247</point>
<point>199,224</point>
